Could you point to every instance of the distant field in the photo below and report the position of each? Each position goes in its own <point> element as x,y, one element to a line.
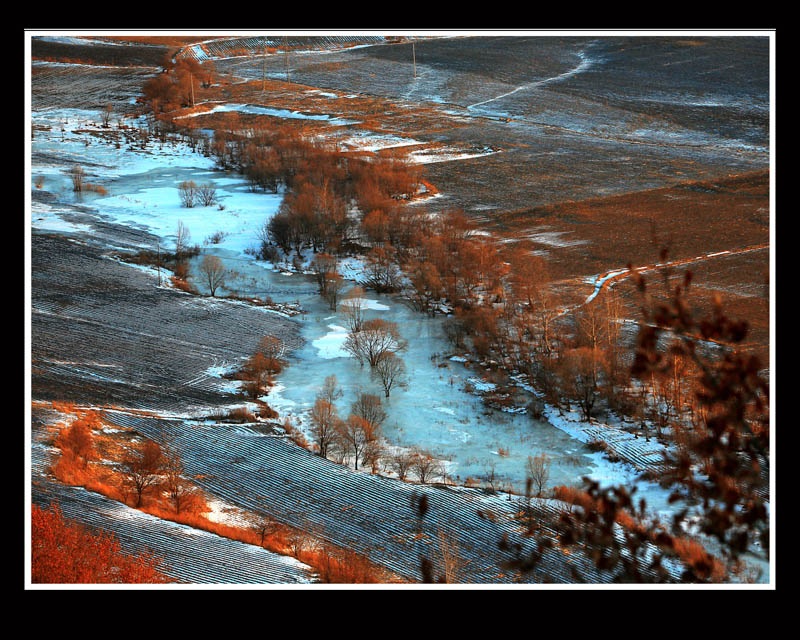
<point>581,148</point>
<point>58,86</point>
<point>98,54</point>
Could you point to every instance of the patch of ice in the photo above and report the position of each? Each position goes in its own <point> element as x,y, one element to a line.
<point>331,344</point>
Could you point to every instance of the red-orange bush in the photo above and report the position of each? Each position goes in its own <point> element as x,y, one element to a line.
<point>63,552</point>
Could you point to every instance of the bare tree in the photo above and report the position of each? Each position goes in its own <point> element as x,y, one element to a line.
<point>490,476</point>
<point>376,337</point>
<point>273,351</point>
<point>325,424</point>
<point>299,540</point>
<point>330,390</point>
<point>188,193</point>
<point>141,467</point>
<point>207,194</point>
<point>578,377</point>
<point>382,271</point>
<point>325,419</point>
<point>538,468</point>
<point>334,283</point>
<point>425,466</point>
<point>356,434</point>
<point>355,345</point>
<point>182,237</point>
<point>321,266</point>
<point>373,454</point>
<point>106,114</point>
<point>78,176</point>
<point>214,272</point>
<point>401,462</point>
<point>390,370</point>
<point>263,524</point>
<point>180,491</point>
<point>353,308</point>
<point>370,408</point>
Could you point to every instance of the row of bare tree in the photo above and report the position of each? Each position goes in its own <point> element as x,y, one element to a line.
<point>358,438</point>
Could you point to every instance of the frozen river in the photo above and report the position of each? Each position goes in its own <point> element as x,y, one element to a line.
<point>433,412</point>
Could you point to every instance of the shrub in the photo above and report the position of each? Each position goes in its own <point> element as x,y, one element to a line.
<point>239,414</point>
<point>63,552</point>
<point>96,188</point>
<point>207,194</point>
<point>188,192</point>
<point>344,567</point>
<point>266,412</point>
<point>182,285</point>
<point>216,238</point>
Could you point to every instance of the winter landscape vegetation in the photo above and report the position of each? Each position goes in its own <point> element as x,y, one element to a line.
<point>439,309</point>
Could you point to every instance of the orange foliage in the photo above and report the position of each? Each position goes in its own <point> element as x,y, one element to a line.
<point>694,555</point>
<point>180,283</point>
<point>296,436</point>
<point>77,438</point>
<point>344,567</point>
<point>71,470</point>
<point>689,551</point>
<point>63,552</point>
<point>64,407</point>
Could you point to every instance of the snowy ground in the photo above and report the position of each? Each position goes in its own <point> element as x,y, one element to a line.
<point>434,411</point>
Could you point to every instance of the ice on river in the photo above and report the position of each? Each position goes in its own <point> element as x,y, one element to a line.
<point>435,411</point>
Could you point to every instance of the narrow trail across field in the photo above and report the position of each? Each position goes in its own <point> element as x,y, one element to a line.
<point>584,64</point>
<point>610,278</point>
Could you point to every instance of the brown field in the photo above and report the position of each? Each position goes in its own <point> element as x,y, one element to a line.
<point>166,41</point>
<point>692,221</point>
<point>567,173</point>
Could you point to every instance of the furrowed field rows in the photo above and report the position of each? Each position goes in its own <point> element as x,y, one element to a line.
<point>95,52</point>
<point>368,513</point>
<point>127,369</point>
<point>645,455</point>
<point>116,332</point>
<point>190,555</point>
<point>230,47</point>
<point>59,86</point>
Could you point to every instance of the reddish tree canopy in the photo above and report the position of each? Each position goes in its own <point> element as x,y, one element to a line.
<point>62,552</point>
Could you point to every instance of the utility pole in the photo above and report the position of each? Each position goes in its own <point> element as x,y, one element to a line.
<point>191,81</point>
<point>414,55</point>
<point>158,264</point>
<point>286,52</point>
<point>264,71</point>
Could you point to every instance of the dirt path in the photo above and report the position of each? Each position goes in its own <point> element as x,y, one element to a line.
<point>609,278</point>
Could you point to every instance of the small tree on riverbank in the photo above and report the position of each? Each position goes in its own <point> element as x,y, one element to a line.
<point>390,370</point>
<point>78,177</point>
<point>214,272</point>
<point>182,237</point>
<point>538,470</point>
<point>356,436</point>
<point>375,338</point>
<point>324,425</point>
